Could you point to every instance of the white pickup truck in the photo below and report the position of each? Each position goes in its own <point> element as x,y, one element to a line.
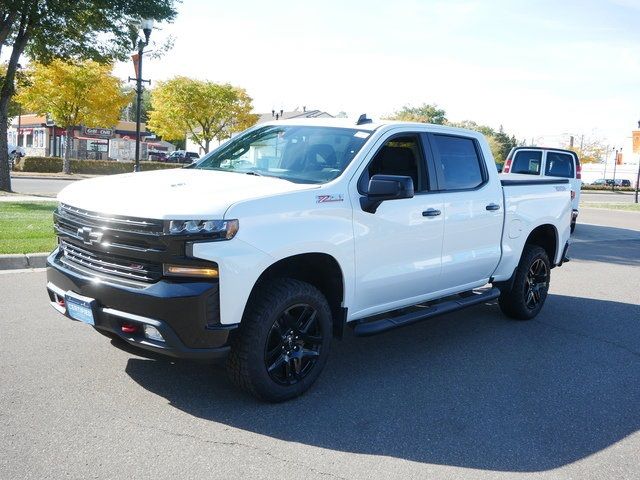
<point>265,249</point>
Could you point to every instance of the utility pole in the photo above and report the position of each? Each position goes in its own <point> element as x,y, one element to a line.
<point>606,155</point>
<point>571,142</point>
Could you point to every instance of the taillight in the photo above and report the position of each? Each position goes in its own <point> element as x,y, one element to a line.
<point>507,166</point>
<point>578,171</point>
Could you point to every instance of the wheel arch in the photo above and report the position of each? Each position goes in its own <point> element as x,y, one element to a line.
<point>318,269</point>
<point>545,236</point>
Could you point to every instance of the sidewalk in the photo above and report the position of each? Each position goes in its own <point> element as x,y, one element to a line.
<point>52,176</point>
<point>18,197</point>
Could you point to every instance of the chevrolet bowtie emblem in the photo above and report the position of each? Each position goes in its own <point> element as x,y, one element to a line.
<point>88,236</point>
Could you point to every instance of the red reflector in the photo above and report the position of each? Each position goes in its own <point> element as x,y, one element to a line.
<point>129,328</point>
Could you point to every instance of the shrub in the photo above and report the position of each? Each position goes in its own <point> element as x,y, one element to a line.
<point>96,167</point>
<point>607,187</point>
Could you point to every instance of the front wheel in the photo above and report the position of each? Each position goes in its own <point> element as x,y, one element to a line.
<point>530,286</point>
<point>283,342</point>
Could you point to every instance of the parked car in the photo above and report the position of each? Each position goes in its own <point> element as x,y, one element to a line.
<point>15,154</point>
<point>548,162</point>
<point>610,182</point>
<point>180,156</point>
<point>271,245</point>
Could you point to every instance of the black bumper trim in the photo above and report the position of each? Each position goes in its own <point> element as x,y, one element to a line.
<point>179,310</point>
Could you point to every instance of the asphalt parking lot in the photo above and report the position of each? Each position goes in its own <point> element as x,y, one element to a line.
<point>468,395</point>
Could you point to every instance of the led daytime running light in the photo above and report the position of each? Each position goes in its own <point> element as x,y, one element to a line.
<point>227,227</point>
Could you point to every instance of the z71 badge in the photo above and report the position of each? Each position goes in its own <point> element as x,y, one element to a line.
<point>329,198</point>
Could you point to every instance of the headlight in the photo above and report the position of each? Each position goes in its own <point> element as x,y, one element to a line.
<point>223,229</point>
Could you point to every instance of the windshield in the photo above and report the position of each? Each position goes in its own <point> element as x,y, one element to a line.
<point>301,154</point>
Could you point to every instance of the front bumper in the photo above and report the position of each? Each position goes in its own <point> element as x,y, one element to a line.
<point>185,312</point>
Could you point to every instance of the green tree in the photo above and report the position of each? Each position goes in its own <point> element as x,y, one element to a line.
<point>85,93</point>
<point>589,150</point>
<point>201,110</point>
<point>78,29</point>
<point>426,113</point>
<point>129,111</point>
<point>499,142</point>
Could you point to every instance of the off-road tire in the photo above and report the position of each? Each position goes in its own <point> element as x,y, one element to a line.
<point>246,366</point>
<point>515,302</point>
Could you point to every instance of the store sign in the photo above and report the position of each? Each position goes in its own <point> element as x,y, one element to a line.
<point>102,132</point>
<point>636,141</point>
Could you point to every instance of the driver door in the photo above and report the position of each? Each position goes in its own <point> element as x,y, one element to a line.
<point>398,248</point>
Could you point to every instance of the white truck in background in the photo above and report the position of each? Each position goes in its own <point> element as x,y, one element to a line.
<point>266,249</point>
<point>546,162</point>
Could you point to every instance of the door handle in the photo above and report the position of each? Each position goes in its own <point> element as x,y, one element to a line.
<point>493,206</point>
<point>431,212</point>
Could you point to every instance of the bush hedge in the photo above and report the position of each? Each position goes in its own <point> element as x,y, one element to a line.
<point>607,187</point>
<point>95,167</point>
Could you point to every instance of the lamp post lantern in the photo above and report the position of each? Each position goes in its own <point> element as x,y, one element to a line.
<point>146,26</point>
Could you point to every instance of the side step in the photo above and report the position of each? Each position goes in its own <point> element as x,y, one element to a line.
<point>373,327</point>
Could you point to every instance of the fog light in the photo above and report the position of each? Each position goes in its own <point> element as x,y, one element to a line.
<point>152,333</point>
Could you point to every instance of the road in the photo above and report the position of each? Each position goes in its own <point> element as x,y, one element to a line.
<point>48,186</point>
<point>470,395</point>
<point>38,186</point>
<point>606,197</point>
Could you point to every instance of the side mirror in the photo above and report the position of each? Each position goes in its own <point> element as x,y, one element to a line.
<point>386,187</point>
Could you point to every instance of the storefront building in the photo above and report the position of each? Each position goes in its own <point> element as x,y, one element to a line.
<point>38,135</point>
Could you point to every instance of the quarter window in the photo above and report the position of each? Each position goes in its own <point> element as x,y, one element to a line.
<point>527,162</point>
<point>459,162</point>
<point>559,165</point>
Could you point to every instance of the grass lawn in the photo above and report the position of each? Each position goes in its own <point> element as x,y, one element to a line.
<point>26,227</point>
<point>631,207</point>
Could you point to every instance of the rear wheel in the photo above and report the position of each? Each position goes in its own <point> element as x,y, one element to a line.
<point>530,286</point>
<point>283,341</point>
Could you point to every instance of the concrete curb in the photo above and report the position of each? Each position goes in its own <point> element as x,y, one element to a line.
<point>21,260</point>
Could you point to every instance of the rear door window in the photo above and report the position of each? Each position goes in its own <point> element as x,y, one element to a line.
<point>559,165</point>
<point>528,162</point>
<point>459,163</point>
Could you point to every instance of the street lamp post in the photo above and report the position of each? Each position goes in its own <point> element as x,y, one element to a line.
<point>146,26</point>
<point>615,164</point>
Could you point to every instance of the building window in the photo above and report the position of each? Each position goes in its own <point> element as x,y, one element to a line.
<point>29,142</point>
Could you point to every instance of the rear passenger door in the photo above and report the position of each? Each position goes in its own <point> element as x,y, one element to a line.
<point>473,207</point>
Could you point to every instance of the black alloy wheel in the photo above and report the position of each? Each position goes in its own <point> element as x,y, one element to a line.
<point>283,341</point>
<point>536,284</point>
<point>528,289</point>
<point>293,344</point>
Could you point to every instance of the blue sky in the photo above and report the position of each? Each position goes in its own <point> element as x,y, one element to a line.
<point>540,68</point>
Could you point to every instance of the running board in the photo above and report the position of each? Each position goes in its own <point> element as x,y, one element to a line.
<point>373,327</point>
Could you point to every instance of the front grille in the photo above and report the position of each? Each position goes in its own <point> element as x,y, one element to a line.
<point>108,265</point>
<point>125,249</point>
<point>92,219</point>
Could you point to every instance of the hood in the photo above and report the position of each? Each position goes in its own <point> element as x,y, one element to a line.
<point>178,194</point>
